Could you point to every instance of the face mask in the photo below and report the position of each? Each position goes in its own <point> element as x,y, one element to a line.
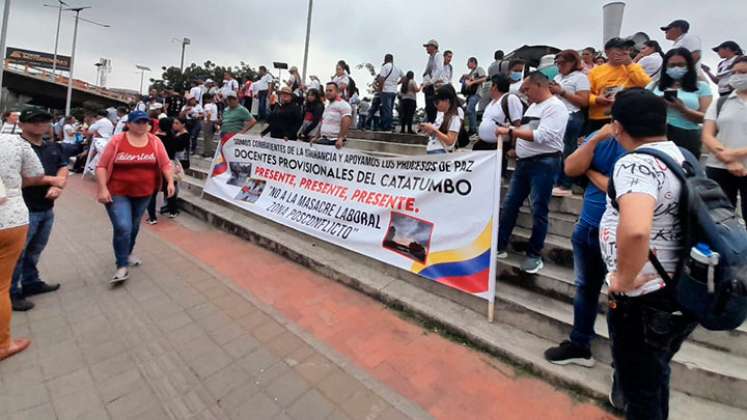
<point>677,73</point>
<point>517,75</point>
<point>739,82</point>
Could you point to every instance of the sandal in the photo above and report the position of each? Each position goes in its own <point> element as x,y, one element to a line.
<point>16,346</point>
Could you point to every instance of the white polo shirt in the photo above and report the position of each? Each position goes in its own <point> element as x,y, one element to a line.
<point>548,121</point>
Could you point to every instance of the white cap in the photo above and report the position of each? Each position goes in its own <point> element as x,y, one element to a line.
<point>546,61</point>
<point>209,81</point>
<point>156,106</point>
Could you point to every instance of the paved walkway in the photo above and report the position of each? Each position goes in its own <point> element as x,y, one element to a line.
<point>212,327</point>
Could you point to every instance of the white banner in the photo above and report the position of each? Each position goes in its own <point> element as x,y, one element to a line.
<point>433,215</point>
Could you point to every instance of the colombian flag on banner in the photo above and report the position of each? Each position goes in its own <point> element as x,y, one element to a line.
<point>221,166</point>
<point>466,268</point>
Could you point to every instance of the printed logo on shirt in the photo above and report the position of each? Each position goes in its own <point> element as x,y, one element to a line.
<point>130,157</point>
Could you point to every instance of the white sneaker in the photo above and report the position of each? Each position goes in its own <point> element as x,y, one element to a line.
<point>120,275</point>
<point>152,221</point>
<point>501,255</point>
<point>561,192</point>
<point>134,261</point>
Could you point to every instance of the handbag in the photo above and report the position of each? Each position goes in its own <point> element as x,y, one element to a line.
<point>177,169</point>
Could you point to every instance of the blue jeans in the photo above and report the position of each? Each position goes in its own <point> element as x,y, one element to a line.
<point>125,214</point>
<point>646,332</point>
<point>262,109</point>
<point>26,273</point>
<point>573,131</point>
<point>362,122</point>
<point>590,272</point>
<point>472,112</point>
<point>535,176</point>
<point>387,110</point>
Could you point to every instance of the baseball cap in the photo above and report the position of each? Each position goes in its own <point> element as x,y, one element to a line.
<point>431,42</point>
<point>156,106</point>
<point>34,115</point>
<point>640,112</point>
<point>619,43</point>
<point>231,94</point>
<point>136,116</point>
<point>679,23</point>
<point>731,45</point>
<point>209,81</point>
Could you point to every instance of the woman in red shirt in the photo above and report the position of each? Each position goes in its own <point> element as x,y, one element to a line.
<point>128,174</point>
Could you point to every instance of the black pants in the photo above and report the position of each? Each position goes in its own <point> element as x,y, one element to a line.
<point>430,106</point>
<point>732,186</point>
<point>645,335</point>
<point>171,203</point>
<point>248,100</point>
<point>689,139</point>
<point>408,113</point>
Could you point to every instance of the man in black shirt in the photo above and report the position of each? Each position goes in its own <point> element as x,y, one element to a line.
<point>39,198</point>
<point>174,103</point>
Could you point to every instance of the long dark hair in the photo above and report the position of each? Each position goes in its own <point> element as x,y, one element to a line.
<point>655,45</point>
<point>689,83</point>
<point>344,65</point>
<point>447,93</point>
<point>406,82</point>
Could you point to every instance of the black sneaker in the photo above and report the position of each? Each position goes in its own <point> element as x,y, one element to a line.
<point>21,304</point>
<point>568,353</point>
<point>39,288</point>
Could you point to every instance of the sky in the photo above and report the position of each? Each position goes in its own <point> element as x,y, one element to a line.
<point>259,31</point>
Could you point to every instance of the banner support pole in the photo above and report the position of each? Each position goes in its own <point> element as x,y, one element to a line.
<point>492,277</point>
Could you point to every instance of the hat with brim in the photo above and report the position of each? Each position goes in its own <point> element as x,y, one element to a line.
<point>34,115</point>
<point>285,90</point>
<point>231,94</point>
<point>137,116</point>
<point>432,42</point>
<point>730,45</point>
<point>679,23</point>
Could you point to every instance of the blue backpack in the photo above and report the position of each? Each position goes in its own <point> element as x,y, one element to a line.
<point>710,281</point>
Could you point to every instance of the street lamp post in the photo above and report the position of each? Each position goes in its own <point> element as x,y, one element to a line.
<point>308,34</point>
<point>3,34</point>
<point>59,8</point>
<point>142,69</point>
<point>77,11</point>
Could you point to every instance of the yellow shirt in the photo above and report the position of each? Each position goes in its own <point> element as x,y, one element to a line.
<point>609,79</point>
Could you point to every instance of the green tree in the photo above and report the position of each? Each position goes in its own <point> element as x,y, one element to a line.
<point>173,78</point>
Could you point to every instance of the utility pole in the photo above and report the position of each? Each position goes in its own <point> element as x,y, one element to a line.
<point>59,8</point>
<point>308,34</point>
<point>77,11</point>
<point>3,35</point>
<point>142,69</point>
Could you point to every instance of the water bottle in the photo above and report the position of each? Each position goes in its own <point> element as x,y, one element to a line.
<point>703,263</point>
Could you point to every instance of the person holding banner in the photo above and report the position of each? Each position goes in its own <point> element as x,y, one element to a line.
<point>444,132</point>
<point>128,174</point>
<point>336,120</point>
<point>286,119</point>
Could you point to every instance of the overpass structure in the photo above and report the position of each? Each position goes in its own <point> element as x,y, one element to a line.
<point>49,90</point>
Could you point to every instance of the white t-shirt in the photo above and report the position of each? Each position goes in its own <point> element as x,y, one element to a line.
<point>68,132</point>
<point>102,129</point>
<point>651,64</point>
<point>391,76</point>
<point>229,86</point>
<point>195,113</point>
<point>573,83</point>
<point>689,41</point>
<point>263,83</point>
<point>455,125</point>
<point>341,81</point>
<point>494,114</point>
<point>332,118</point>
<point>120,125</point>
<point>10,128</point>
<point>211,109</point>
<point>548,120</point>
<point>636,173</point>
<point>732,126</point>
<point>197,93</point>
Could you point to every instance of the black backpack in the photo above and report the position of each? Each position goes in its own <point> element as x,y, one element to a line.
<point>504,106</point>
<point>710,280</point>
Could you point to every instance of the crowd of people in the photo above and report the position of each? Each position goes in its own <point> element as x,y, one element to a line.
<point>568,124</point>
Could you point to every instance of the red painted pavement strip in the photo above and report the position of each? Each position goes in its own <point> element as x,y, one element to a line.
<point>448,380</point>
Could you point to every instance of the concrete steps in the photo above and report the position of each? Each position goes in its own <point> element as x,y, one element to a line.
<point>523,345</point>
